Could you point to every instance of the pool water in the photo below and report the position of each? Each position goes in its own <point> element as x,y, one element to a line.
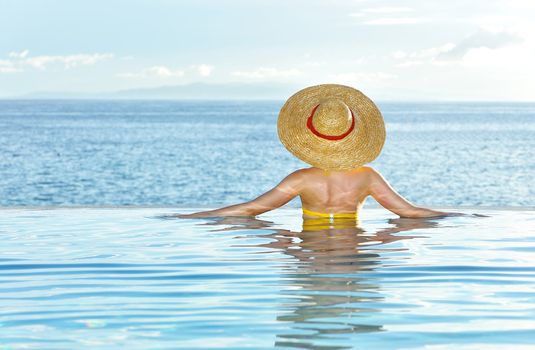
<point>134,278</point>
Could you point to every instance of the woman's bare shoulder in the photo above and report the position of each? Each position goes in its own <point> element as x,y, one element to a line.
<point>301,173</point>
<point>366,175</point>
<point>371,176</point>
<point>368,170</point>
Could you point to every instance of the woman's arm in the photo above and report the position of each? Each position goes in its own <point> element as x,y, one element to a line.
<point>385,195</point>
<point>281,194</point>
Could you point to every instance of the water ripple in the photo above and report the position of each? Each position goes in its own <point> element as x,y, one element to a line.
<point>130,278</point>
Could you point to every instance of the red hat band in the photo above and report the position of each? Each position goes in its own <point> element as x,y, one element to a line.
<point>311,127</point>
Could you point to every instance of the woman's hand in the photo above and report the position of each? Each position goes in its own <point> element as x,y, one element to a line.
<point>201,214</point>
<point>455,214</point>
<point>473,214</point>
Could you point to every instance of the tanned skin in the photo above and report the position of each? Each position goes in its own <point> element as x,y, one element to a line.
<point>338,192</point>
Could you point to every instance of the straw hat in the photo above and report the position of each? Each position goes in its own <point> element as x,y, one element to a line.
<point>332,127</point>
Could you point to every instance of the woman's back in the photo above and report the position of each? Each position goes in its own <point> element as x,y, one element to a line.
<point>333,192</point>
<point>333,195</point>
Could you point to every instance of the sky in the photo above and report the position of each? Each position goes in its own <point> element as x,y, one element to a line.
<point>395,50</point>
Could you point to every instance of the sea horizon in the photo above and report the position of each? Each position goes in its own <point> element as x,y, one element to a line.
<point>216,152</point>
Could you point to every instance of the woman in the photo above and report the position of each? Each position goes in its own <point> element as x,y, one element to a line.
<point>336,129</point>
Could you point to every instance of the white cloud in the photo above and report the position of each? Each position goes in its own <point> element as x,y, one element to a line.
<point>7,66</point>
<point>164,72</point>
<point>204,70</point>
<point>266,72</point>
<point>399,54</point>
<point>69,61</point>
<point>9,70</point>
<point>22,54</point>
<point>467,50</point>
<point>394,20</point>
<point>432,51</point>
<point>421,56</point>
<point>506,61</point>
<point>480,39</point>
<point>19,61</point>
<point>160,71</point>
<point>154,72</point>
<point>386,9</point>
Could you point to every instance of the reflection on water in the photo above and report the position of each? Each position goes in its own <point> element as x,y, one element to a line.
<point>126,279</point>
<point>324,287</point>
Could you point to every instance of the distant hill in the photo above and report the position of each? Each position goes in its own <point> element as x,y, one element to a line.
<point>237,91</point>
<point>187,91</point>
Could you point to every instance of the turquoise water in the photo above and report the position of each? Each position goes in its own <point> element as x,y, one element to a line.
<point>135,279</point>
<point>209,153</point>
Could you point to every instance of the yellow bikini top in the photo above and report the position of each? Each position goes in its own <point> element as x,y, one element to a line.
<point>330,215</point>
<point>328,221</point>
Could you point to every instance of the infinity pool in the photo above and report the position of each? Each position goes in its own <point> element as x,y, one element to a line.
<point>136,279</point>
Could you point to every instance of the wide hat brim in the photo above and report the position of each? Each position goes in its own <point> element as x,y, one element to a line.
<point>362,145</point>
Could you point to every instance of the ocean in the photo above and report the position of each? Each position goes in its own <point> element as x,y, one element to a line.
<point>213,153</point>
<point>138,278</point>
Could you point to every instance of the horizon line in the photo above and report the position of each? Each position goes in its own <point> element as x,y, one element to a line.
<point>232,99</point>
<point>204,206</point>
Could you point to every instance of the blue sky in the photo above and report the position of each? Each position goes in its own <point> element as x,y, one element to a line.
<point>400,50</point>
